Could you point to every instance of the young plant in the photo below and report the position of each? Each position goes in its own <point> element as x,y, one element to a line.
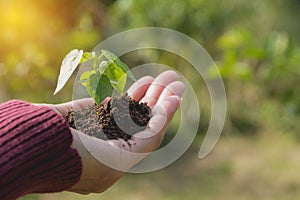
<point>108,72</point>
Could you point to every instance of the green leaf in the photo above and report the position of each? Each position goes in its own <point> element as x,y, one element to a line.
<point>92,84</point>
<point>108,73</point>
<point>120,85</point>
<point>117,76</point>
<point>98,87</point>
<point>85,77</point>
<point>112,57</point>
<point>103,89</point>
<point>87,56</point>
<point>102,66</point>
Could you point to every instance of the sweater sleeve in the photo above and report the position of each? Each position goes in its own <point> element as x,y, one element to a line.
<point>35,152</point>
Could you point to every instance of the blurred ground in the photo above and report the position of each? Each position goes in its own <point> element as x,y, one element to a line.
<point>239,168</point>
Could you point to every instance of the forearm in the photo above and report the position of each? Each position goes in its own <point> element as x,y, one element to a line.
<point>35,151</point>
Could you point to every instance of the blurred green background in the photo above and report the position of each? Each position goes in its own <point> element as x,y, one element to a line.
<point>256,47</point>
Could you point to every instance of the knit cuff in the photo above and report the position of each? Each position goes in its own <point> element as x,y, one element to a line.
<point>35,151</point>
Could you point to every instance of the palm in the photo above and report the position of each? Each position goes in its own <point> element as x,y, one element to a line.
<point>163,95</point>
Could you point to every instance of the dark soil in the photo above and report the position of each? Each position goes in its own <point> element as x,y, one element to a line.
<point>121,117</point>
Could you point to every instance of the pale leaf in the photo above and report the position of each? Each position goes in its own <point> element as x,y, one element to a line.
<point>68,66</point>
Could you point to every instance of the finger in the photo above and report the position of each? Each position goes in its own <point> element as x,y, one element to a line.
<point>64,108</point>
<point>173,89</point>
<point>147,140</point>
<point>79,104</point>
<point>158,85</point>
<point>170,105</point>
<point>106,100</point>
<point>150,139</point>
<point>155,124</point>
<point>139,88</point>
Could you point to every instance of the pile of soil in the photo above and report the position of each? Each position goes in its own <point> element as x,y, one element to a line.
<point>121,117</point>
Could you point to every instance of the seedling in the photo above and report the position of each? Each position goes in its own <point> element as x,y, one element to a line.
<point>108,72</point>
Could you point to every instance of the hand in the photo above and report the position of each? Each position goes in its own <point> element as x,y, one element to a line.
<point>163,95</point>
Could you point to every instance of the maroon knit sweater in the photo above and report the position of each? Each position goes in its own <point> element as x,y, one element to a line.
<point>35,152</point>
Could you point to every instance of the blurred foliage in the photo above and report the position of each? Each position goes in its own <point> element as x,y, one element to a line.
<point>254,44</point>
<point>35,36</point>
